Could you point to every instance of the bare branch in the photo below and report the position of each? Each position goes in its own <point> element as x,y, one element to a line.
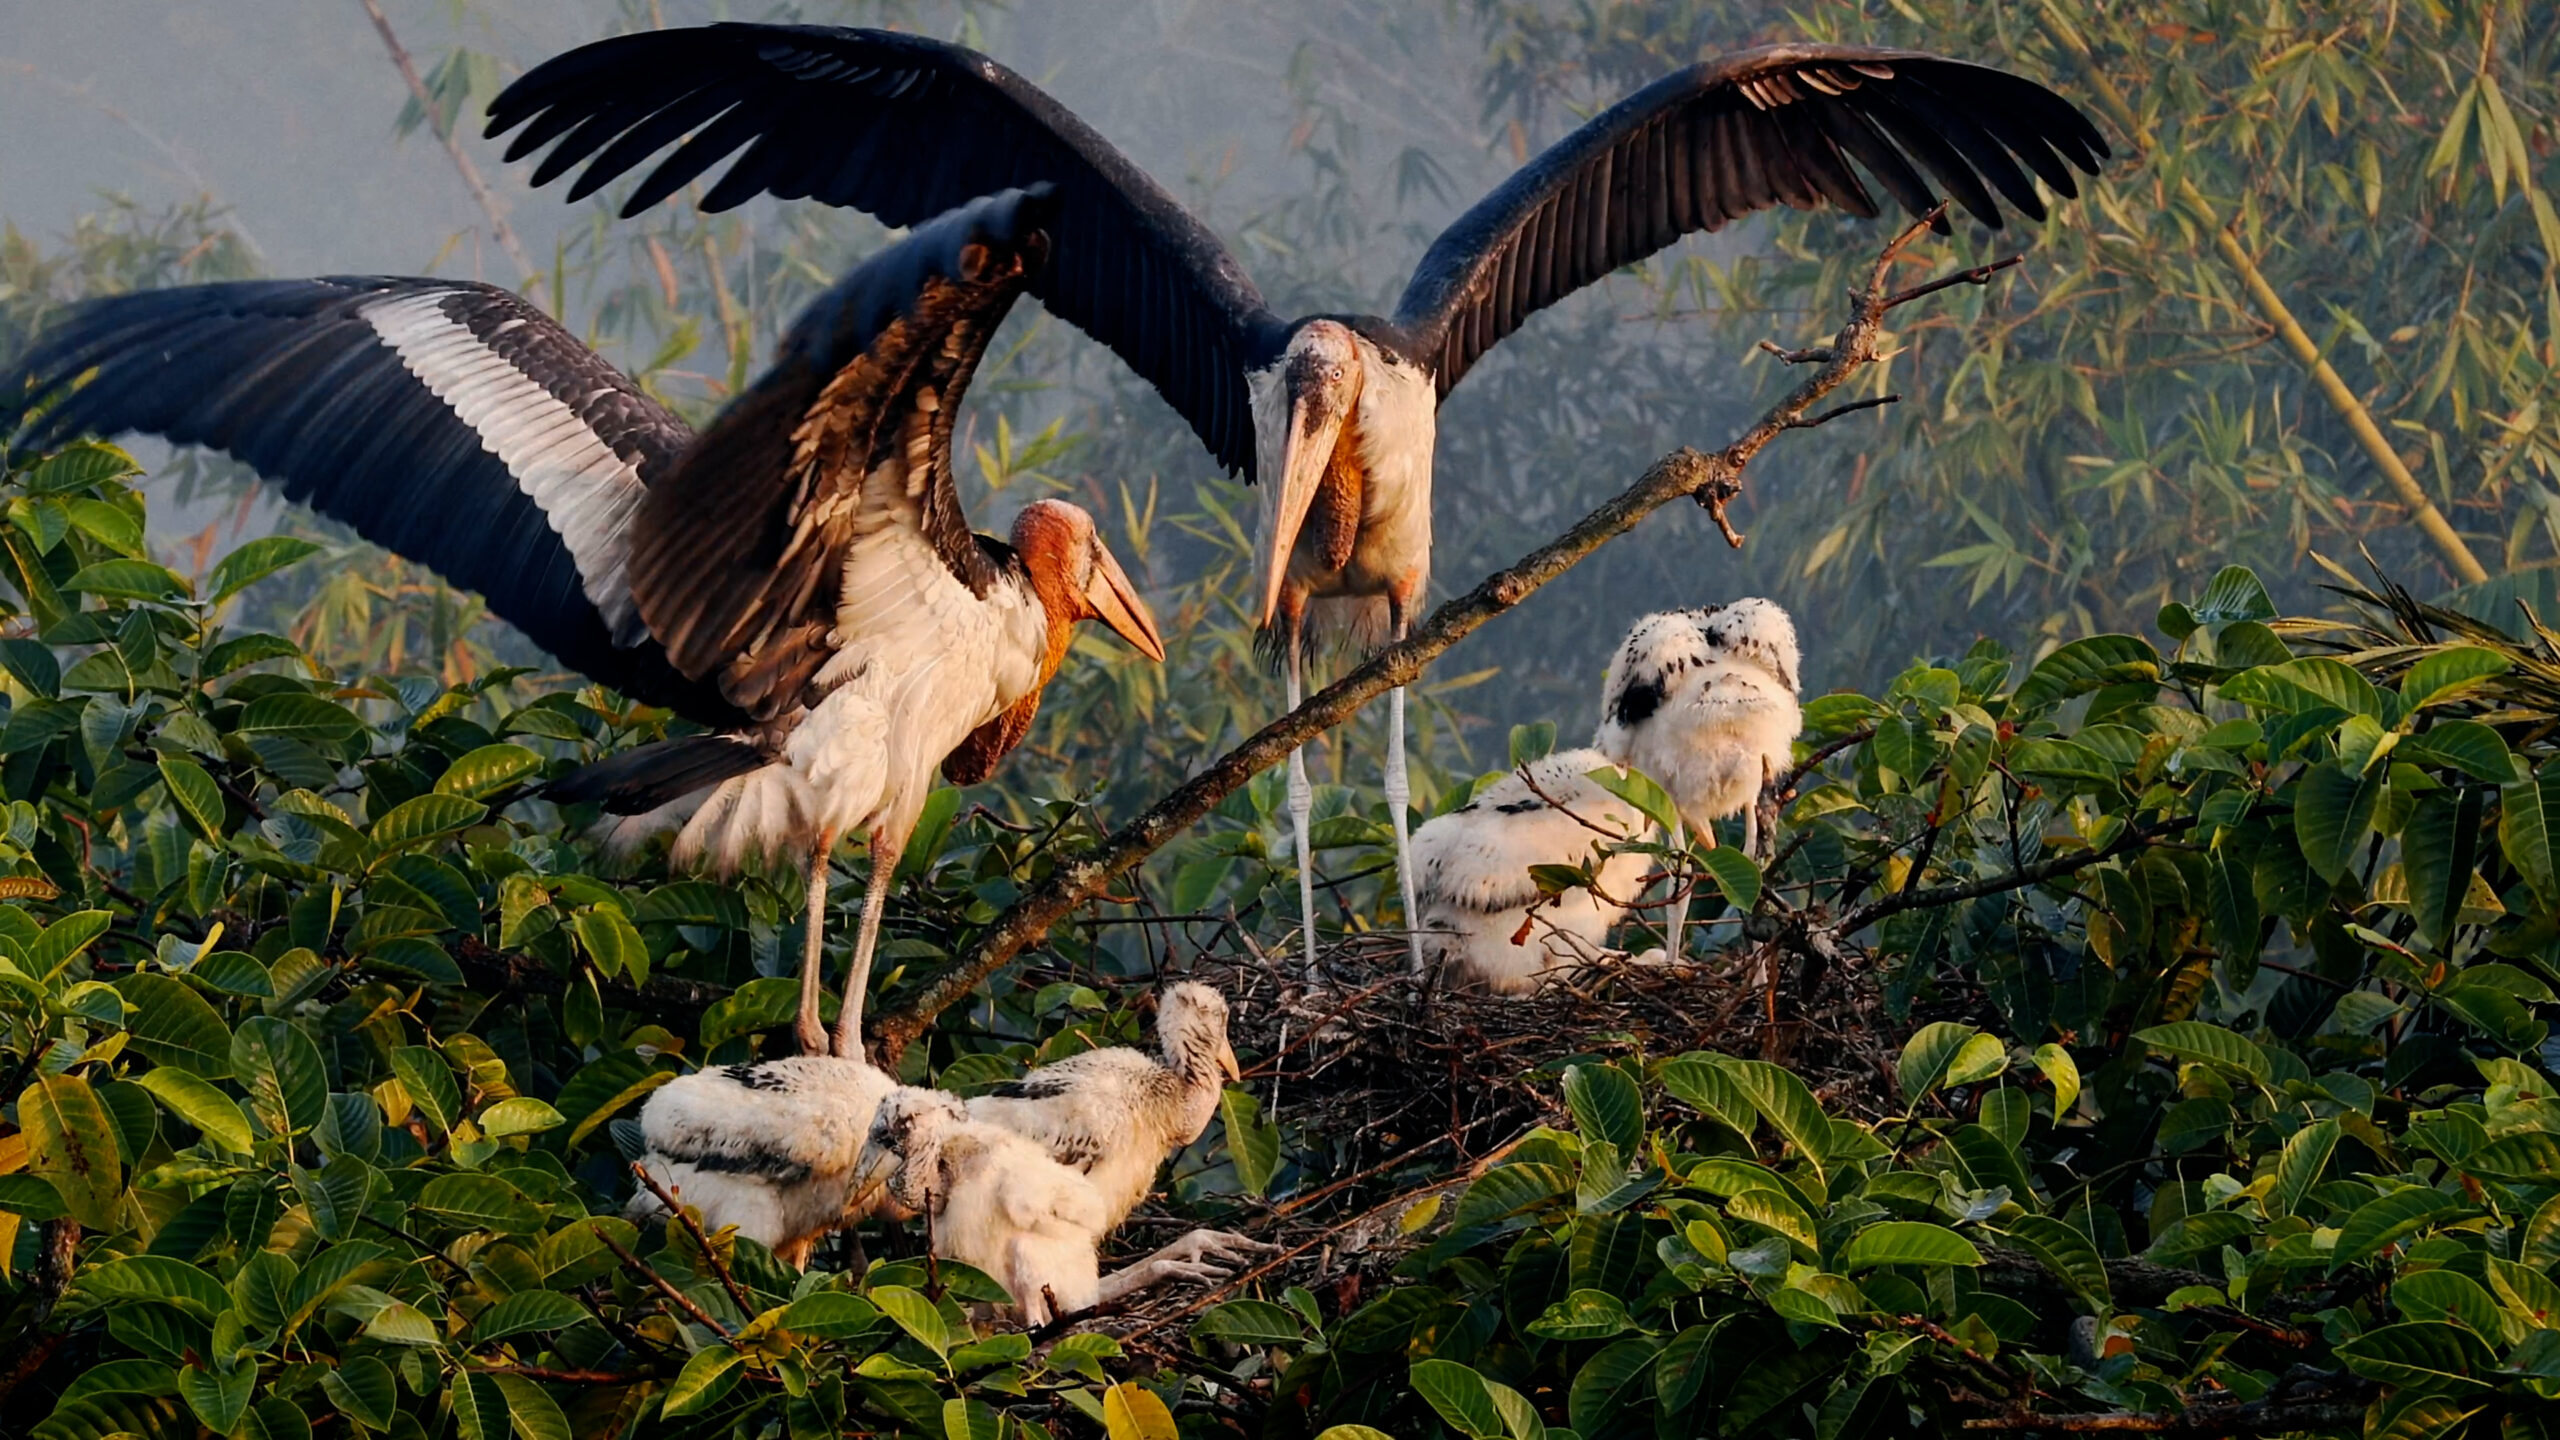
<point>2133,837</point>
<point>701,1241</point>
<point>1836,411</point>
<point>480,192</point>
<point>1978,275</point>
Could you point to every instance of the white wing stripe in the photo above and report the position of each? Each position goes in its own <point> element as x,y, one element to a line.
<point>585,491</point>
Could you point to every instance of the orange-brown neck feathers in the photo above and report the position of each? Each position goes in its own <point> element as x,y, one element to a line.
<point>1055,541</point>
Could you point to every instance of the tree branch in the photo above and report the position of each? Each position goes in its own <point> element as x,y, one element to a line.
<point>488,200</point>
<point>2133,837</point>
<point>1713,480</point>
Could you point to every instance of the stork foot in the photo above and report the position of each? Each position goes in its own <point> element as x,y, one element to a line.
<point>1219,1246</point>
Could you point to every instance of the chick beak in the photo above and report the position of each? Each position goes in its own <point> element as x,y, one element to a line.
<point>873,1168</point>
<point>1227,1065</point>
<point>1315,427</point>
<point>1115,603</point>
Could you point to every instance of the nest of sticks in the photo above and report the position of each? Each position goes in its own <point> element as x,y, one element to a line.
<point>1389,1092</point>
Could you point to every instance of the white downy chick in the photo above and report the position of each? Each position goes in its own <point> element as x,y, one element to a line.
<point>770,1148</point>
<point>1704,701</point>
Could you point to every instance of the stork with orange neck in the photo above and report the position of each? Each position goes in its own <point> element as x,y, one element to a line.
<point>800,578</point>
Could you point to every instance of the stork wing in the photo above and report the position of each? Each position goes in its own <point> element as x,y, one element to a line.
<point>1725,138</point>
<point>740,555</point>
<point>904,128</point>
<point>450,422</point>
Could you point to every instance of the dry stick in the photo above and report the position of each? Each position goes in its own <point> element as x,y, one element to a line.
<point>2306,351</point>
<point>452,147</point>
<point>2260,1417</point>
<point>700,1240</point>
<point>2132,837</point>
<point>683,1301</point>
<point>1713,480</point>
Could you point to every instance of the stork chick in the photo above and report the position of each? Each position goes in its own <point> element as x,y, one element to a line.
<point>1116,1114</point>
<point>1704,701</point>
<point>769,1148</point>
<point>1481,914</point>
<point>998,1202</point>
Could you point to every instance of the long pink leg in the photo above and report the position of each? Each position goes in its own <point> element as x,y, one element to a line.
<point>809,1028</point>
<point>857,984</point>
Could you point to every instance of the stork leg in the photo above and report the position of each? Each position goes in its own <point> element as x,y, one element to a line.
<point>1399,797</point>
<point>1301,805</point>
<point>809,1028</point>
<point>857,984</point>
<point>1676,918</point>
<point>1202,1255</point>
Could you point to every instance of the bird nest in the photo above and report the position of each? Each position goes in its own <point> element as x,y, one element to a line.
<point>1388,1092</point>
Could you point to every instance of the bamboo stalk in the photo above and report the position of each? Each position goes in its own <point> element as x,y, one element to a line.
<point>461,158</point>
<point>2271,307</point>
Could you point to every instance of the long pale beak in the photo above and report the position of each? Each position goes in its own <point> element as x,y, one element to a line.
<point>1115,603</point>
<point>1314,429</point>
<point>1227,1061</point>
<point>873,1168</point>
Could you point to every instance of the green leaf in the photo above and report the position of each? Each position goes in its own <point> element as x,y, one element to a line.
<point>218,1400</point>
<point>82,466</point>
<point>1736,875</point>
<point>603,1090</point>
<point>2449,674</point>
<point>1584,1315</point>
<point>430,1084</point>
<point>363,1388</point>
<point>829,1315</point>
<point>709,1375</point>
<point>1605,1105</point>
<point>255,561</point>
<point>971,1420</point>
<point>1981,1057</point>
<point>531,1412</point>
<point>64,939</point>
<point>1507,1190</point>
<point>1788,1106</point>
<point>2332,812</point>
<point>481,1202</point>
<point>2422,1355</point>
<point>1907,1242</point>
<point>1609,1384</point>
<point>1703,1084</point>
<point>2063,1073</point>
<point>2419,1417</point>
<point>423,817</point>
<point>1458,1393</point>
<point>280,1068</point>
<point>2438,858</point>
<point>263,1289</point>
<point>2525,1155</point>
<point>158,1279</point>
<point>2305,1155</point>
<point>2065,1251</point>
<point>174,1026</point>
<point>1641,791</point>
<point>2302,685</point>
<point>521,1115</point>
<point>1252,1143</point>
<point>2525,834</point>
<point>294,715</point>
<point>2464,745</point>
<point>2391,1219</point>
<point>914,1314</point>
<point>1252,1322</point>
<point>30,1197</point>
<point>610,941</point>
<point>2086,665</point>
<point>1927,1054</point>
<point>198,1103</point>
<point>2234,594</point>
<point>2209,1044</point>
<point>128,580</point>
<point>71,1142</point>
<point>2451,1297</point>
<point>197,796</point>
<point>526,1312</point>
<point>1774,1211</point>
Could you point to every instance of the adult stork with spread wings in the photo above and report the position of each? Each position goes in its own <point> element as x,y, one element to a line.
<point>800,577</point>
<point>1334,413</point>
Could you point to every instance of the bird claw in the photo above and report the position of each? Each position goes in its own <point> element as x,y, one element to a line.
<point>1201,1246</point>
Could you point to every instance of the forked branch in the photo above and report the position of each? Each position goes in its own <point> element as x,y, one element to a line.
<point>1713,480</point>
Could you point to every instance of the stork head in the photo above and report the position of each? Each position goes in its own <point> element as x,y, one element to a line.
<point>1191,1026</point>
<point>1658,649</point>
<point>1077,577</point>
<point>903,1150</point>
<point>1758,631</point>
<point>1320,377</point>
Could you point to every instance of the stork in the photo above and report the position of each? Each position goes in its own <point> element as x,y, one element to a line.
<point>1704,702</point>
<point>1336,413</point>
<point>999,1202</point>
<point>800,577</point>
<point>1484,918</point>
<point>1115,1114</point>
<point>769,1148</point>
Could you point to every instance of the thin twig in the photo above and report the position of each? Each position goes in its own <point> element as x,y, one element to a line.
<point>562,1377</point>
<point>1836,411</point>
<point>480,192</point>
<point>1978,275</point>
<point>2133,837</point>
<point>681,1300</point>
<point>692,1227</point>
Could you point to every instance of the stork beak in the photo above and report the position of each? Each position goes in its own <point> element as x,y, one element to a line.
<point>1227,1062</point>
<point>1315,426</point>
<point>874,1168</point>
<point>1115,603</point>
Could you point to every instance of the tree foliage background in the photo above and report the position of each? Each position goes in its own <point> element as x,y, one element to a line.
<point>2224,943</point>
